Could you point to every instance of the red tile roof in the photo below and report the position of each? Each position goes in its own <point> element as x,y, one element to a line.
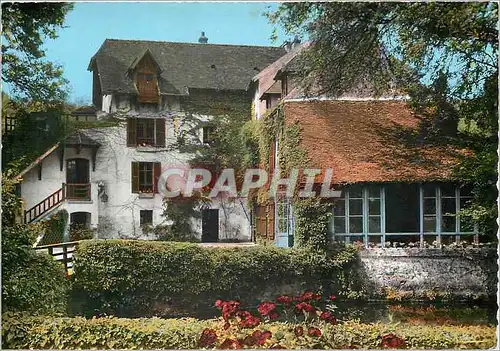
<point>368,141</point>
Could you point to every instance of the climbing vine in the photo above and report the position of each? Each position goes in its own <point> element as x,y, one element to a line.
<point>312,215</point>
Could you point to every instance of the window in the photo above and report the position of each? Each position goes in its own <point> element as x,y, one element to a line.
<point>145,177</point>
<point>208,134</point>
<point>402,208</point>
<point>402,213</point>
<point>146,218</point>
<point>146,132</point>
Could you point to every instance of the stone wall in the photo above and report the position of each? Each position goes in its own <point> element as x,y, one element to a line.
<point>411,273</point>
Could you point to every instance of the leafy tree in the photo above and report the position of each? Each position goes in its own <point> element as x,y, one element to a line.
<point>444,54</point>
<point>25,26</point>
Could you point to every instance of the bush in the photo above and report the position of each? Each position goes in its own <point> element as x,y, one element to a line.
<point>138,278</point>
<point>26,332</point>
<point>32,282</point>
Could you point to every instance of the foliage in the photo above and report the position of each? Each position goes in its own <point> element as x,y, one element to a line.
<point>11,202</point>
<point>54,228</point>
<point>180,230</point>
<point>31,281</point>
<point>27,332</point>
<point>79,232</point>
<point>313,233</point>
<point>443,55</point>
<point>137,278</point>
<point>24,28</point>
<point>37,129</point>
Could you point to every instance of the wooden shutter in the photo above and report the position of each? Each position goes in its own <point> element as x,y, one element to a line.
<point>135,177</point>
<point>160,132</point>
<point>131,132</point>
<point>156,176</point>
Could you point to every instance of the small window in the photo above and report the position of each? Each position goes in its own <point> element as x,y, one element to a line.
<point>146,217</point>
<point>208,134</point>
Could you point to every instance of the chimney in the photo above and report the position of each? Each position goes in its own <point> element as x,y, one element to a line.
<point>203,39</point>
<point>287,45</point>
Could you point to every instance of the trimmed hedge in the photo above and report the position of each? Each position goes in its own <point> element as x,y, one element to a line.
<point>20,332</point>
<point>140,278</point>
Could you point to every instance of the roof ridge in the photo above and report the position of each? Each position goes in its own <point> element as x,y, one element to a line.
<point>194,44</point>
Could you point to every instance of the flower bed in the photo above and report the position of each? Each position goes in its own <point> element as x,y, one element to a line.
<point>20,332</point>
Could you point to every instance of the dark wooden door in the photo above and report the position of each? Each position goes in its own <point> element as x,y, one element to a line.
<point>210,226</point>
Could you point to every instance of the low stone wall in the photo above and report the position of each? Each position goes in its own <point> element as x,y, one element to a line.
<point>412,273</point>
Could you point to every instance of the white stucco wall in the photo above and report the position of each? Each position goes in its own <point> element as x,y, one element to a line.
<point>119,217</point>
<point>34,190</point>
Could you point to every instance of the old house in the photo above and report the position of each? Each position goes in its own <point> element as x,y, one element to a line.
<point>396,186</point>
<point>144,93</point>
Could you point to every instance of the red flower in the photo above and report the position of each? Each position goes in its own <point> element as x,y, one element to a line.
<point>306,296</point>
<point>286,300</point>
<point>266,307</point>
<point>208,338</point>
<point>231,344</point>
<point>218,303</point>
<point>332,297</point>
<point>312,331</point>
<point>226,326</point>
<point>392,341</point>
<point>304,306</point>
<point>261,337</point>
<point>229,308</point>
<point>325,315</point>
<point>316,297</point>
<point>273,315</point>
<point>248,320</point>
<point>332,320</point>
<point>299,331</point>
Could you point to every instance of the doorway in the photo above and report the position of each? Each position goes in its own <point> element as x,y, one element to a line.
<point>78,179</point>
<point>209,226</point>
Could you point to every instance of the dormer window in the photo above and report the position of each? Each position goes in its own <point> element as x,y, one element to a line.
<point>145,71</point>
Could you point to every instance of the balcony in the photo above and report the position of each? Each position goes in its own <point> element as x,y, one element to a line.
<point>79,192</point>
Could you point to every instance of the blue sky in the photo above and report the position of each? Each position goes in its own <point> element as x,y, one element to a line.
<point>89,24</point>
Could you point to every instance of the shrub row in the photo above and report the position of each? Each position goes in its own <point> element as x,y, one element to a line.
<point>20,332</point>
<point>139,278</point>
<point>31,281</point>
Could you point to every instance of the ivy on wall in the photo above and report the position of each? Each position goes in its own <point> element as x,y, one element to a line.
<point>312,215</point>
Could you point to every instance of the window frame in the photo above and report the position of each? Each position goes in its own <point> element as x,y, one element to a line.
<point>138,170</point>
<point>159,131</point>
<point>142,214</point>
<point>439,216</point>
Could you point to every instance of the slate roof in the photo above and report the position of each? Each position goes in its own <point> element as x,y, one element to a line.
<point>369,141</point>
<point>266,78</point>
<point>184,65</point>
<point>80,139</point>
<point>84,111</point>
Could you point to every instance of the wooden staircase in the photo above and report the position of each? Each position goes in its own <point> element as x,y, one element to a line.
<point>45,205</point>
